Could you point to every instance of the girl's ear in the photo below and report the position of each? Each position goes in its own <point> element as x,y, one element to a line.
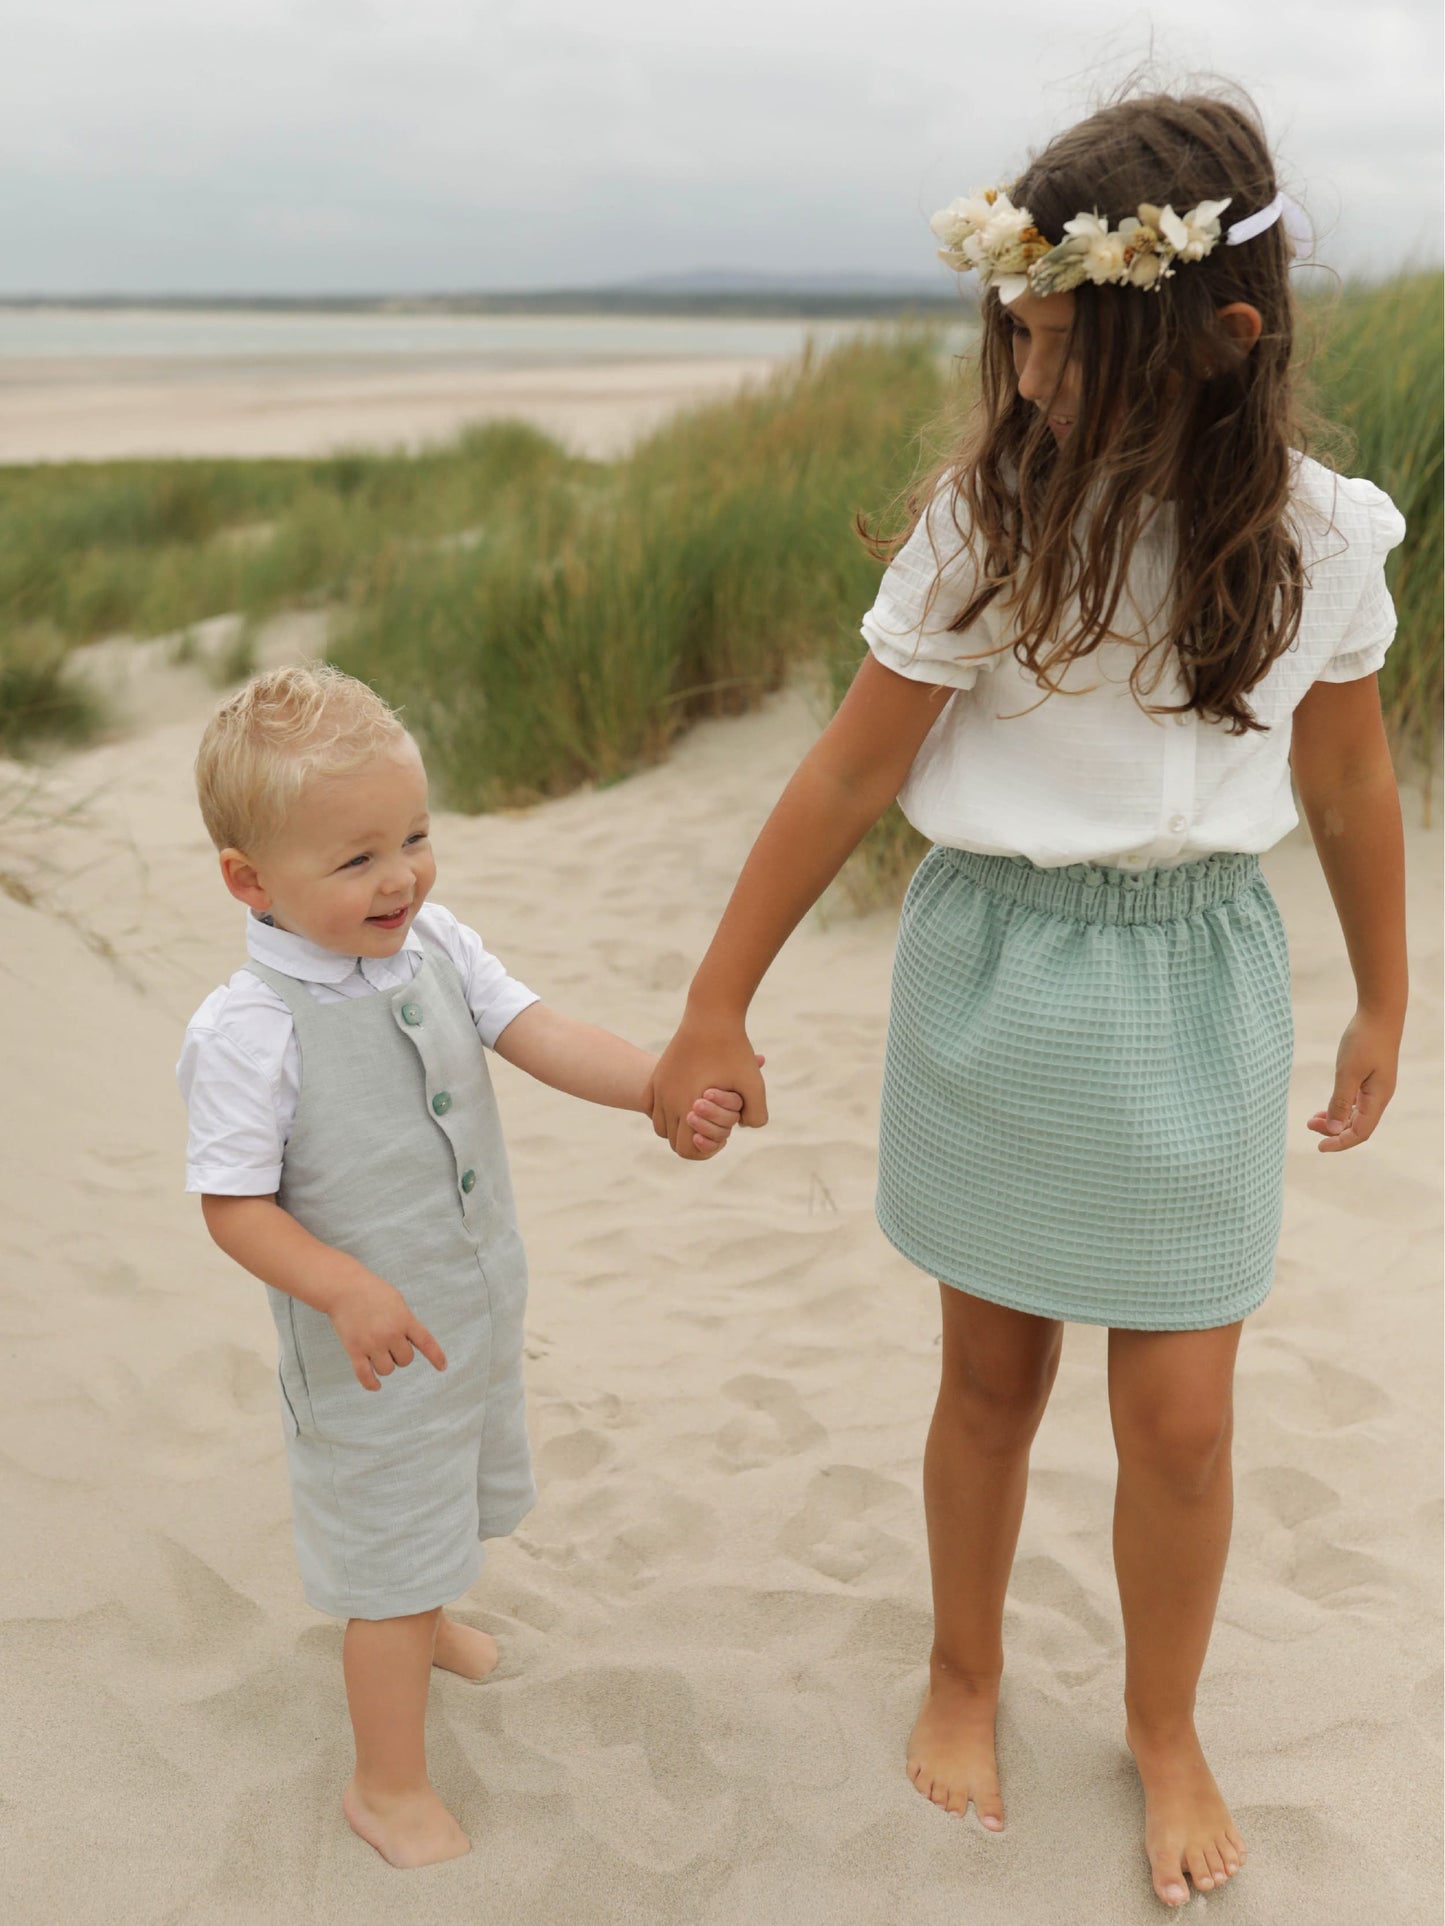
<point>243,880</point>
<point>1242,323</point>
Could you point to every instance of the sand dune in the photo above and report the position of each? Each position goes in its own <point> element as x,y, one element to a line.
<point>714,1625</point>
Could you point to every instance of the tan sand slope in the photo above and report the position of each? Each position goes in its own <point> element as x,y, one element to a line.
<point>105,410</point>
<point>714,1625</point>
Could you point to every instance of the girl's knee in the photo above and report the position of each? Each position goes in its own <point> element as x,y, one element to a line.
<point>1000,1400</point>
<point>1182,1440</point>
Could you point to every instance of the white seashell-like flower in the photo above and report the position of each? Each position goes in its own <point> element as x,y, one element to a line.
<point>1104,259</point>
<point>1006,226</point>
<point>967,215</point>
<point>1196,233</point>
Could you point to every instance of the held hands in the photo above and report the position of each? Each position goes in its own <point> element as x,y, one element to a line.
<point>712,1055</point>
<point>379,1332</point>
<point>1365,1072</point>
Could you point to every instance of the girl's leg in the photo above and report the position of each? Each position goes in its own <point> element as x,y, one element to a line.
<point>997,1371</point>
<point>390,1801</point>
<point>1171,1401</point>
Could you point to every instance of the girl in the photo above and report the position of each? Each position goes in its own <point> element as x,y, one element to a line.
<point>1127,606</point>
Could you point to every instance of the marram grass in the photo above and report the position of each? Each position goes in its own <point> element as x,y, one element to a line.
<point>546,621</point>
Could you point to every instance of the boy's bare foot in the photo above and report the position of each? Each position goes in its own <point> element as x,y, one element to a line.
<point>461,1648</point>
<point>415,1830</point>
<point>1187,1827</point>
<point>951,1752</point>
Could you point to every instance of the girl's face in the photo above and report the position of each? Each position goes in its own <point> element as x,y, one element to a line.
<point>1040,325</point>
<point>354,863</point>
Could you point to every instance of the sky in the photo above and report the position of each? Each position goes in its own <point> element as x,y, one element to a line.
<point>348,146</point>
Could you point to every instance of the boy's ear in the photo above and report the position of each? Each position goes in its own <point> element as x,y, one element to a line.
<point>243,880</point>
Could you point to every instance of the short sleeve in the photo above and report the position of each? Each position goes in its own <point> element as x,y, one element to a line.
<point>234,1146</point>
<point>926,586</point>
<point>1370,630</point>
<point>493,997</point>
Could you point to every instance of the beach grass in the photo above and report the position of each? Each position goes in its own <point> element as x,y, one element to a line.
<point>546,621</point>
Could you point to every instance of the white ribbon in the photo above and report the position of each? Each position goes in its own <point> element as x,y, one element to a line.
<point>1295,220</point>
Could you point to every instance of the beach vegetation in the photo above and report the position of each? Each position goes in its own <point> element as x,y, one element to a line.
<point>546,621</point>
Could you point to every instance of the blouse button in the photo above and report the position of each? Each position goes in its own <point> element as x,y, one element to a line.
<point>411,1013</point>
<point>1184,718</point>
<point>469,1180</point>
<point>1178,825</point>
<point>442,1102</point>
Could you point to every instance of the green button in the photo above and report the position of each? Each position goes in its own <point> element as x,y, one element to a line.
<point>411,1013</point>
<point>469,1180</point>
<point>442,1102</point>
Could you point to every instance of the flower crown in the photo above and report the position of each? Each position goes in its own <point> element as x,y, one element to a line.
<point>986,232</point>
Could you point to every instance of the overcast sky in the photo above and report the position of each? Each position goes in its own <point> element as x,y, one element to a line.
<point>307,146</point>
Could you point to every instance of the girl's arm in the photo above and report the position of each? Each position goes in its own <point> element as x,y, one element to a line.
<point>840,789</point>
<point>1340,757</point>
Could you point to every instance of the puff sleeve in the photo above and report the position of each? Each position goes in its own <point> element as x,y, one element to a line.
<point>1371,628</point>
<point>912,637</point>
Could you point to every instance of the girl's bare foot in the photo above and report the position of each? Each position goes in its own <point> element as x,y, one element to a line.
<point>1187,1827</point>
<point>461,1648</point>
<point>413,1830</point>
<point>951,1752</point>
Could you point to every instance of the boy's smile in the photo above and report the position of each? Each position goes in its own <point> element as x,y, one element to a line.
<point>354,862</point>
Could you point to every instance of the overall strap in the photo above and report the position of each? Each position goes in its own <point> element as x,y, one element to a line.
<point>297,998</point>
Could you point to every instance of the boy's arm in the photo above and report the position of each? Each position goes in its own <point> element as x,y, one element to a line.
<point>576,1057</point>
<point>371,1317</point>
<point>1342,768</point>
<point>590,1063</point>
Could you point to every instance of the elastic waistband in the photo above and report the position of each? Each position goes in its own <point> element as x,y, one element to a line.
<point>1100,893</point>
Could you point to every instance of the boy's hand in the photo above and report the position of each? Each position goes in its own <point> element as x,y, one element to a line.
<point>712,1118</point>
<point>1366,1069</point>
<point>378,1331</point>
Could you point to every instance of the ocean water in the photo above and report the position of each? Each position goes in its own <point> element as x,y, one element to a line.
<point>498,341</point>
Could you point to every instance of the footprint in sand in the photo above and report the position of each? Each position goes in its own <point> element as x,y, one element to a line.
<point>771,1424</point>
<point>1346,1396</point>
<point>832,1534</point>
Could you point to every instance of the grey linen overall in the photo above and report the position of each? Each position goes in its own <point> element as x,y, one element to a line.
<point>397,1158</point>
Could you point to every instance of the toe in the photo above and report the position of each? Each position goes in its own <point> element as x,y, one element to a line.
<point>1198,1867</point>
<point>1214,1859</point>
<point>1169,1882</point>
<point>990,1811</point>
<point>1239,1849</point>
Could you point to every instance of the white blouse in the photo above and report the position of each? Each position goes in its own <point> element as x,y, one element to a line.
<point>1089,775</point>
<point>240,1067</point>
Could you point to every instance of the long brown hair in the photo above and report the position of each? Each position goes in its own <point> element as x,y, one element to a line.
<point>1173,419</point>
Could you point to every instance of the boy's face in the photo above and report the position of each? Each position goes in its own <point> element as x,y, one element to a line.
<point>354,863</point>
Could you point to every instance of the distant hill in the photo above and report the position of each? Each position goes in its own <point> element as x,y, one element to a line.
<point>699,291</point>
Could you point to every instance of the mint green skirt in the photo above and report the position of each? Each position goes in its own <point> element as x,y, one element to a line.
<point>1084,1096</point>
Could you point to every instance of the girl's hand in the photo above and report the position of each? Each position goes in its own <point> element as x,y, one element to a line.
<point>378,1331</point>
<point>710,1055</point>
<point>1365,1072</point>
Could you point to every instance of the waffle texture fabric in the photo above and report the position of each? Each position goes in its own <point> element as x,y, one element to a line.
<point>396,1157</point>
<point>1084,1094</point>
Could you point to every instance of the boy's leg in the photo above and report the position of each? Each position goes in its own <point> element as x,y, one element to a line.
<point>390,1802</point>
<point>1171,1402</point>
<point>998,1368</point>
<point>463,1649</point>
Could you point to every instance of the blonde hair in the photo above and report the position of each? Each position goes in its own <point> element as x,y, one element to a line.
<point>268,740</point>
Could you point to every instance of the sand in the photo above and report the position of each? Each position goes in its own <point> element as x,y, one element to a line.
<point>96,409</point>
<point>714,1625</point>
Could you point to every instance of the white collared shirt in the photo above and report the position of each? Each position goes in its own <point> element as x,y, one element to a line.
<point>240,1067</point>
<point>1090,776</point>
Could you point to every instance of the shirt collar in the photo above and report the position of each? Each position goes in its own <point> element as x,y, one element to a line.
<point>298,956</point>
